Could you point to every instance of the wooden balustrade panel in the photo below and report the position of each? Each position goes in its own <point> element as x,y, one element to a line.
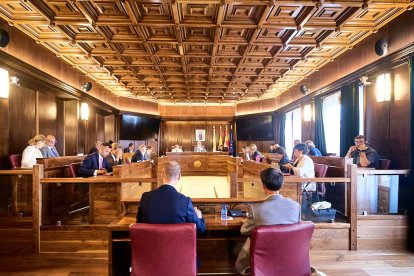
<point>129,170</point>
<point>22,199</point>
<point>58,198</point>
<point>103,202</point>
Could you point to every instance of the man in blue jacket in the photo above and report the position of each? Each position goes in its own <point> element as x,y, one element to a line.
<point>167,205</point>
<point>96,163</point>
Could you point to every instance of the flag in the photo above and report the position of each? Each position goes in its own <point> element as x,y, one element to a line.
<point>214,138</point>
<point>226,139</point>
<point>220,139</point>
<point>232,151</point>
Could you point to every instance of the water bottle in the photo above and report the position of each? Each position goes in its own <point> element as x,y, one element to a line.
<point>224,212</point>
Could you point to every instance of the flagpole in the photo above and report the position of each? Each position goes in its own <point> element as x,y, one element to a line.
<point>214,138</point>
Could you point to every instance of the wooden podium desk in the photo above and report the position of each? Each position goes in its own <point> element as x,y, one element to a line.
<point>218,233</point>
<point>201,163</point>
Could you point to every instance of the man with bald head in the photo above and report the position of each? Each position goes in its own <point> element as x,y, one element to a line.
<point>167,205</point>
<point>49,150</point>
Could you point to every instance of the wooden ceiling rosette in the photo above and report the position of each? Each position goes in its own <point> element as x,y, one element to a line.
<point>216,51</point>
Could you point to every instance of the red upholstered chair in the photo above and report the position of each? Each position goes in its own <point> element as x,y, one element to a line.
<point>384,164</point>
<point>15,160</point>
<point>281,249</point>
<point>163,249</point>
<point>320,171</point>
<point>74,169</point>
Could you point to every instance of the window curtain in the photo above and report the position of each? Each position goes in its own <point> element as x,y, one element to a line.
<point>282,122</point>
<point>406,185</point>
<point>349,116</point>
<point>319,129</point>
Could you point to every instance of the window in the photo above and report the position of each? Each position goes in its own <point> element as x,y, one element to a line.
<point>331,113</point>
<point>361,109</point>
<point>293,129</point>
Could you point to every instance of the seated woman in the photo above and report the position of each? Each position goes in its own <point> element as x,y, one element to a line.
<point>32,151</point>
<point>303,165</point>
<point>281,154</point>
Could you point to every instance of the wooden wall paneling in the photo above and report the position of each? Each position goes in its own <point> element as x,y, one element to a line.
<point>22,116</point>
<point>110,133</point>
<point>60,126</point>
<point>100,128</point>
<point>82,136</point>
<point>71,122</point>
<point>183,133</point>
<point>400,119</point>
<point>4,130</point>
<point>47,114</point>
<point>377,122</point>
<point>91,128</point>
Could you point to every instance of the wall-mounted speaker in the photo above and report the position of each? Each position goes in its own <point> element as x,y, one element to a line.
<point>381,47</point>
<point>304,89</point>
<point>4,38</point>
<point>87,86</point>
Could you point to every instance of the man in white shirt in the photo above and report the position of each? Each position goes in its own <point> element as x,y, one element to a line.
<point>199,147</point>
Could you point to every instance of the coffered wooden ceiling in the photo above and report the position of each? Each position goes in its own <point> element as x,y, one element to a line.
<point>199,51</point>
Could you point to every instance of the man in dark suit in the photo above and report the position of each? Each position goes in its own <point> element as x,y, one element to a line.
<point>95,163</point>
<point>166,205</point>
<point>130,148</point>
<point>49,150</point>
<point>115,157</point>
<point>140,154</point>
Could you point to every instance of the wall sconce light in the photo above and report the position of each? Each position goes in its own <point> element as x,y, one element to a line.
<point>84,111</point>
<point>14,81</point>
<point>383,87</point>
<point>4,83</point>
<point>307,113</point>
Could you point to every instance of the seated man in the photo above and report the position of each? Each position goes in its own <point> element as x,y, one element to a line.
<point>95,163</point>
<point>167,205</point>
<point>254,153</point>
<point>115,157</point>
<point>199,147</point>
<point>274,210</point>
<point>130,148</point>
<point>363,155</point>
<point>177,148</point>
<point>313,150</point>
<point>246,152</point>
<point>49,150</point>
<point>140,154</point>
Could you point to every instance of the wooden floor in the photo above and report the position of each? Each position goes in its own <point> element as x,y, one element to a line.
<point>342,263</point>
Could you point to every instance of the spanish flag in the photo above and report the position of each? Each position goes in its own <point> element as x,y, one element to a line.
<point>226,139</point>
<point>220,139</point>
<point>214,138</point>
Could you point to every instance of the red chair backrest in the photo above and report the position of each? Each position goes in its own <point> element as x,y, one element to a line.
<point>15,160</point>
<point>163,249</point>
<point>74,169</point>
<point>281,249</point>
<point>320,170</point>
<point>384,164</point>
